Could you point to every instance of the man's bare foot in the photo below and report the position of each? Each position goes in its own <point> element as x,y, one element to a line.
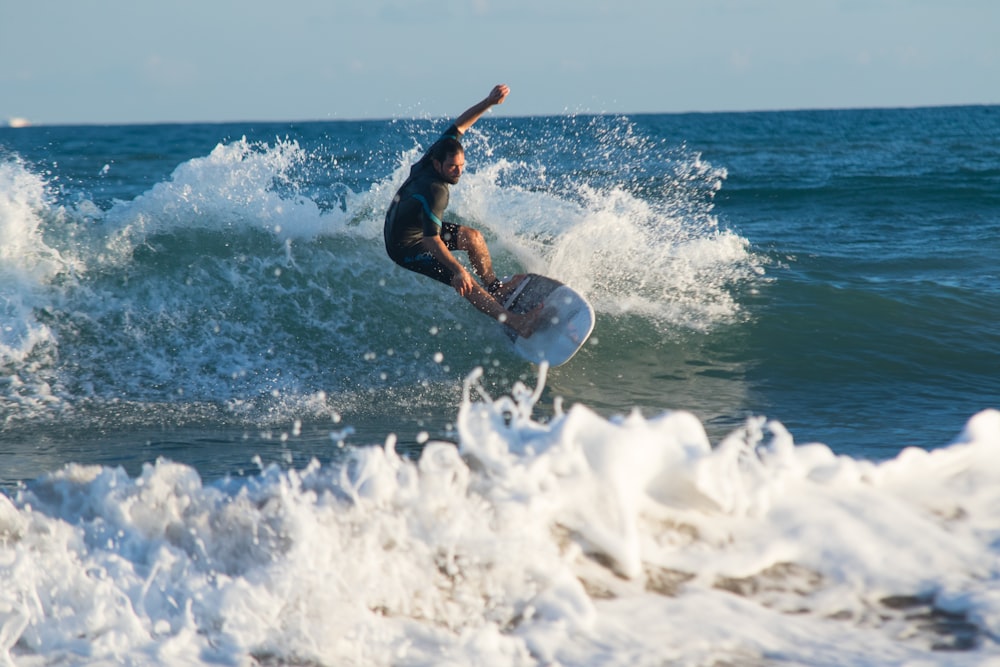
<point>501,291</point>
<point>524,324</point>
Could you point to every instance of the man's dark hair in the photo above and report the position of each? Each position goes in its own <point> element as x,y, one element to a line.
<point>445,148</point>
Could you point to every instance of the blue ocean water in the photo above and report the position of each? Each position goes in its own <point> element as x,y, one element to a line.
<point>201,318</point>
<point>834,270</point>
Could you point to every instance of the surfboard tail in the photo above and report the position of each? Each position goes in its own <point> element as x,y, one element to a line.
<point>565,324</point>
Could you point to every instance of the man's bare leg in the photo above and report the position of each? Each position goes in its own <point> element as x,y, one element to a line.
<point>472,242</point>
<point>523,323</point>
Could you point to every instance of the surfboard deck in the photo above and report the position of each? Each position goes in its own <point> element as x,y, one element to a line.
<point>565,323</point>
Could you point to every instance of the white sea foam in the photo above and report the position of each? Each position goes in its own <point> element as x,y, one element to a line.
<point>239,185</point>
<point>661,258</point>
<point>579,540</point>
<point>27,263</point>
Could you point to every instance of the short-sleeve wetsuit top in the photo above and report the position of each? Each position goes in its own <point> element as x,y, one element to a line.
<point>417,211</point>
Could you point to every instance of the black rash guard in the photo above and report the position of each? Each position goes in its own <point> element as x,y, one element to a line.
<point>417,211</point>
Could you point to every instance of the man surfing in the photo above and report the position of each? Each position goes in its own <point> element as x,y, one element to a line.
<point>417,237</point>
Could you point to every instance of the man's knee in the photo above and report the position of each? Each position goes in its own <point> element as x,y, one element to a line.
<point>470,238</point>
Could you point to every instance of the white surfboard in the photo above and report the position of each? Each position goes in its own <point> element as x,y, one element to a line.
<point>564,325</point>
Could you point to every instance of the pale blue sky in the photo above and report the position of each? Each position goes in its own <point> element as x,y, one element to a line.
<point>125,61</point>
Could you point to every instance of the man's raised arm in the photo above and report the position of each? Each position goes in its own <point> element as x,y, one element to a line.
<point>473,113</point>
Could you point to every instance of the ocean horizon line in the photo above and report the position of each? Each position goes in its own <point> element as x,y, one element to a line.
<point>25,122</point>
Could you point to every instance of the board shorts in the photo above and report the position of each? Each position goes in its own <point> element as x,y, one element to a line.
<point>419,260</point>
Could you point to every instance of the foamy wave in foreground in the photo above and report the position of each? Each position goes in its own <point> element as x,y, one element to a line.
<point>579,541</point>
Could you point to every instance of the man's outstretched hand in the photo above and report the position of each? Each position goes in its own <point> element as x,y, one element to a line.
<point>498,94</point>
